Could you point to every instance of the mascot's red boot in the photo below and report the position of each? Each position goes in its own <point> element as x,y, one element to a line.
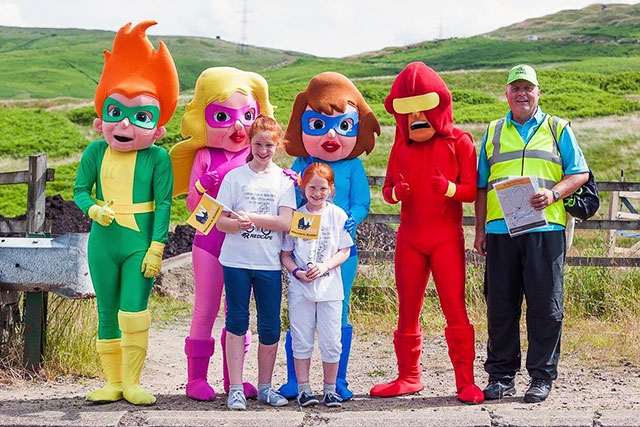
<point>409,372</point>
<point>462,353</point>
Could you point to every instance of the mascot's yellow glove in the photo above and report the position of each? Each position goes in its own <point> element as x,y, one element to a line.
<point>152,260</point>
<point>103,215</point>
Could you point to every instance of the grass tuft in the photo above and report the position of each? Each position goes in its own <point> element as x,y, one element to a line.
<point>70,349</point>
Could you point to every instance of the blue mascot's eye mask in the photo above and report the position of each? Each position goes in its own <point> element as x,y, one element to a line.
<point>143,116</point>
<point>314,123</point>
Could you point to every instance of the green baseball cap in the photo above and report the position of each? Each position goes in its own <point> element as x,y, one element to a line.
<point>523,72</point>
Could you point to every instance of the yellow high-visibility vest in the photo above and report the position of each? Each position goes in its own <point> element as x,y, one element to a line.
<point>509,156</point>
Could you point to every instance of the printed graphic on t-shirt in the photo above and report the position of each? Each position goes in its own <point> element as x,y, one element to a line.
<point>261,200</point>
<point>320,247</point>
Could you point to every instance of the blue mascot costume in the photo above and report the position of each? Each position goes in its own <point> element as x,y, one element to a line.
<point>332,123</point>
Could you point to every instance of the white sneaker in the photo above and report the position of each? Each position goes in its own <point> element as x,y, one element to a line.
<point>272,397</point>
<point>236,400</point>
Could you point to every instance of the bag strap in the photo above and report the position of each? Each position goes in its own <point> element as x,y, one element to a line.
<point>553,125</point>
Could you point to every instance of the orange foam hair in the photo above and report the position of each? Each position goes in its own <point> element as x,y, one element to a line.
<point>133,67</point>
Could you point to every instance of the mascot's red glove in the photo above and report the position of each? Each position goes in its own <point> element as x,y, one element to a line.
<point>401,190</point>
<point>394,193</point>
<point>441,185</point>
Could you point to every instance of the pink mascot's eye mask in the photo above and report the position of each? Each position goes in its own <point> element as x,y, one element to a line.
<point>219,116</point>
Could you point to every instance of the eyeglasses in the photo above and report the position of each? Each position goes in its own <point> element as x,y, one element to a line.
<point>219,116</point>
<point>314,123</point>
<point>143,116</point>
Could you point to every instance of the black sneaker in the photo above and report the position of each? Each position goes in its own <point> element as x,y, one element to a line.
<point>497,389</point>
<point>306,398</point>
<point>538,390</point>
<point>332,399</point>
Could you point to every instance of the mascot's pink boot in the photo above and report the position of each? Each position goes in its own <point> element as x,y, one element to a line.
<point>199,353</point>
<point>408,351</point>
<point>462,352</point>
<point>250,391</point>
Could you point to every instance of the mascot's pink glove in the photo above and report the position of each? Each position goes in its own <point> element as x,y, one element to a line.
<point>441,185</point>
<point>152,261</point>
<point>207,181</point>
<point>292,175</point>
<point>401,190</point>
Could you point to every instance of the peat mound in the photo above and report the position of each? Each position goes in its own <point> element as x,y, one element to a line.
<point>65,217</point>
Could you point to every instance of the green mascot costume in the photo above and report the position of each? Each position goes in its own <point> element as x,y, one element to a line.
<point>131,181</point>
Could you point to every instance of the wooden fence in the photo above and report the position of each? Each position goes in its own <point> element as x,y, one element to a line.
<point>613,223</point>
<point>35,303</point>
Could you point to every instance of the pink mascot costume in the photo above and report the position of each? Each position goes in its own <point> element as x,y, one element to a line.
<point>216,123</point>
<point>431,170</point>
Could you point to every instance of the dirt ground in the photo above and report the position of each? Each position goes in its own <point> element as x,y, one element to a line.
<point>372,360</point>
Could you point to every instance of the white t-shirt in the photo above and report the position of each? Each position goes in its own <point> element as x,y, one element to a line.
<point>262,193</point>
<point>331,239</point>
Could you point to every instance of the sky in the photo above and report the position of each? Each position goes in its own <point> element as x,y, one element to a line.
<point>328,28</point>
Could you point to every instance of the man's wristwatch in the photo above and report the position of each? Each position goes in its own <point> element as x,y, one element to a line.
<point>556,195</point>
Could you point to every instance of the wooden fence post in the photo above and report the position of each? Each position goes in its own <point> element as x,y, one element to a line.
<point>35,303</point>
<point>9,318</point>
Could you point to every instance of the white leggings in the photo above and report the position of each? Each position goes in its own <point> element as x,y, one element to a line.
<point>303,315</point>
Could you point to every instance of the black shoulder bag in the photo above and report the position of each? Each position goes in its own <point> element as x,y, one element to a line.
<point>584,203</point>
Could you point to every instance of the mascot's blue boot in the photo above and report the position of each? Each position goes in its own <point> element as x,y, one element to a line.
<point>341,382</point>
<point>290,389</point>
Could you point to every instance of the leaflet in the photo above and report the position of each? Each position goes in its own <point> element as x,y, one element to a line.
<point>513,195</point>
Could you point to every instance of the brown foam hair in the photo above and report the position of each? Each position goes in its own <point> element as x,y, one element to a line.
<point>326,93</point>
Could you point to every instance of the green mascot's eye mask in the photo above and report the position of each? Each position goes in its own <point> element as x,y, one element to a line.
<point>143,116</point>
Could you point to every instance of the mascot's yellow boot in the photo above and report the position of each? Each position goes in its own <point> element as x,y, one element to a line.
<point>135,341</point>
<point>110,354</point>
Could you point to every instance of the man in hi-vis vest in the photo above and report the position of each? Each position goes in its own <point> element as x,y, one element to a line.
<point>527,143</point>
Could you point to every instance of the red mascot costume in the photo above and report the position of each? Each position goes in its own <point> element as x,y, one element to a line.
<point>431,170</point>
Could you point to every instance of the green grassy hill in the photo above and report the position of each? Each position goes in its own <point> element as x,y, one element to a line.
<point>45,63</point>
<point>588,63</point>
<point>598,23</point>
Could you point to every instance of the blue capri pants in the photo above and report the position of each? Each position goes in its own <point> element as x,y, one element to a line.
<point>267,291</point>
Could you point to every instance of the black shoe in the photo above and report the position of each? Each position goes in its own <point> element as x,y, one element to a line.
<point>538,391</point>
<point>306,398</point>
<point>497,389</point>
<point>332,399</point>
